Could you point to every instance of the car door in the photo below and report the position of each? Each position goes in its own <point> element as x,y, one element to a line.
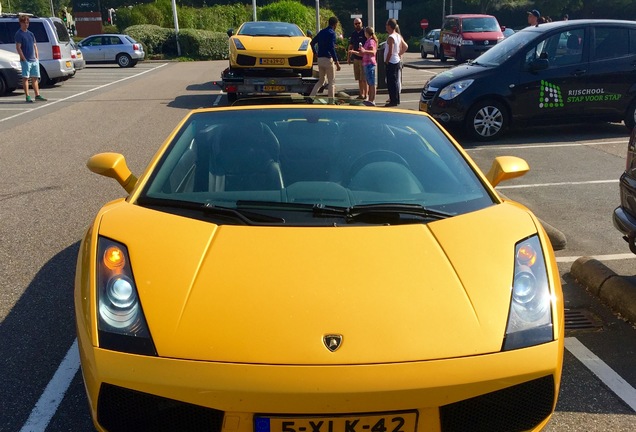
<point>92,49</point>
<point>612,71</point>
<point>112,47</point>
<point>552,77</point>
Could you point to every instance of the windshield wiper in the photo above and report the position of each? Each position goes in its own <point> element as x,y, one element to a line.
<point>383,212</point>
<point>248,218</point>
<point>394,210</point>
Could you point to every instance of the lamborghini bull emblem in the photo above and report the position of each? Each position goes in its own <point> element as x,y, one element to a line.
<point>332,341</point>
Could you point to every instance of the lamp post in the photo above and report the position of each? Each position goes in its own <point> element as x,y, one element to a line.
<point>176,26</point>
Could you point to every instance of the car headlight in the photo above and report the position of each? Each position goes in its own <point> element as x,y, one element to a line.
<point>304,45</point>
<point>467,42</point>
<point>455,89</point>
<point>121,323</point>
<point>238,44</point>
<point>530,315</point>
<point>16,65</point>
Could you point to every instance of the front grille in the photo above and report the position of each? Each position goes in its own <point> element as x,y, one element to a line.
<point>121,409</point>
<point>245,60</point>
<point>490,42</point>
<point>517,408</point>
<point>298,61</point>
<point>428,95</point>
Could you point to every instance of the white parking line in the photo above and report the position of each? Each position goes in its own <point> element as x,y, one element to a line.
<point>54,392</point>
<point>611,379</point>
<point>608,257</point>
<point>553,145</point>
<point>558,184</point>
<point>81,93</point>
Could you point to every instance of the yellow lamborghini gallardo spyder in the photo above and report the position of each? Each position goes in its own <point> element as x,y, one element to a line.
<point>316,268</point>
<point>271,47</point>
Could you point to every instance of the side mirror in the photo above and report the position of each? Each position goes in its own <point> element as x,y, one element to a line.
<point>539,64</point>
<point>506,168</point>
<point>310,33</point>
<point>230,32</point>
<point>113,165</point>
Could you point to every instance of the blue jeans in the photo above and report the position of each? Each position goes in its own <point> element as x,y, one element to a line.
<point>393,82</point>
<point>369,73</point>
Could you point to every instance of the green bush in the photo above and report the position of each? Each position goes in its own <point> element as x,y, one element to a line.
<point>152,37</point>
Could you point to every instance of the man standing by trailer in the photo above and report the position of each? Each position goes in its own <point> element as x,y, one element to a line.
<point>327,57</point>
<point>357,41</point>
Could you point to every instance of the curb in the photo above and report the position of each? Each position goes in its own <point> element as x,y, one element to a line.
<point>614,290</point>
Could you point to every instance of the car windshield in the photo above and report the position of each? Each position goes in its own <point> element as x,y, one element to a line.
<point>506,48</point>
<point>265,28</point>
<point>308,164</point>
<point>484,24</point>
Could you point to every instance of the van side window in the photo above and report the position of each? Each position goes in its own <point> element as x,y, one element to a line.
<point>8,30</point>
<point>62,33</point>
<point>610,42</point>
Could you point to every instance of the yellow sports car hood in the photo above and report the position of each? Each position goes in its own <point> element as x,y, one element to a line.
<point>270,294</point>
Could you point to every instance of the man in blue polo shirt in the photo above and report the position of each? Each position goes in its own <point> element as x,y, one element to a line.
<point>327,57</point>
<point>28,51</point>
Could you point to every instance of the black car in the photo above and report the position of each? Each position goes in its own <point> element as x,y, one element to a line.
<point>625,214</point>
<point>566,71</point>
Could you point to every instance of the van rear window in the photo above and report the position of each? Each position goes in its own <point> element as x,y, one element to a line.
<point>62,32</point>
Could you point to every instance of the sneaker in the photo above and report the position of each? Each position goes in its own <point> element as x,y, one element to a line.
<point>41,98</point>
<point>361,97</point>
<point>29,100</point>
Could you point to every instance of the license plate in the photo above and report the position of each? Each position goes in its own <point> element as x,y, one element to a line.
<point>68,64</point>
<point>272,61</point>
<point>423,106</point>
<point>387,422</point>
<point>274,88</point>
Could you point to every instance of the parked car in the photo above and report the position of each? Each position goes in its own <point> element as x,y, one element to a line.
<point>316,267</point>
<point>10,72</point>
<point>77,56</point>
<point>563,71</point>
<point>429,44</point>
<point>624,217</point>
<point>466,36</point>
<point>53,43</point>
<point>112,48</point>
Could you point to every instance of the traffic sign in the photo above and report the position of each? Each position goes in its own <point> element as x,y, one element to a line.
<point>424,23</point>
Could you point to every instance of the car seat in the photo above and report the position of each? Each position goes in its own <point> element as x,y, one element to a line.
<point>245,158</point>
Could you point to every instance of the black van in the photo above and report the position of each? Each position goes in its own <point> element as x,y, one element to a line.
<point>566,71</point>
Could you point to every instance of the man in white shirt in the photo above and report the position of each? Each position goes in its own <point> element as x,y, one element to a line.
<point>392,63</point>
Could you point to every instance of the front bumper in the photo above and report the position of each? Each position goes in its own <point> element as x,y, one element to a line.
<point>448,394</point>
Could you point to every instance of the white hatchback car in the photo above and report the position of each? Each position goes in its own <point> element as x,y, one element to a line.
<point>10,72</point>
<point>112,48</point>
<point>53,43</point>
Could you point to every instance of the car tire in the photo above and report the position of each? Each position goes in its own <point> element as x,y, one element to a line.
<point>486,120</point>
<point>232,97</point>
<point>422,52</point>
<point>630,116</point>
<point>134,63</point>
<point>124,60</point>
<point>44,77</point>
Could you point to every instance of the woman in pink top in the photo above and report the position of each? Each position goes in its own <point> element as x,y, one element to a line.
<point>369,63</point>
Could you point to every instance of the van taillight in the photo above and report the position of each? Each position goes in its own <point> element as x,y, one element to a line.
<point>57,53</point>
<point>135,47</point>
